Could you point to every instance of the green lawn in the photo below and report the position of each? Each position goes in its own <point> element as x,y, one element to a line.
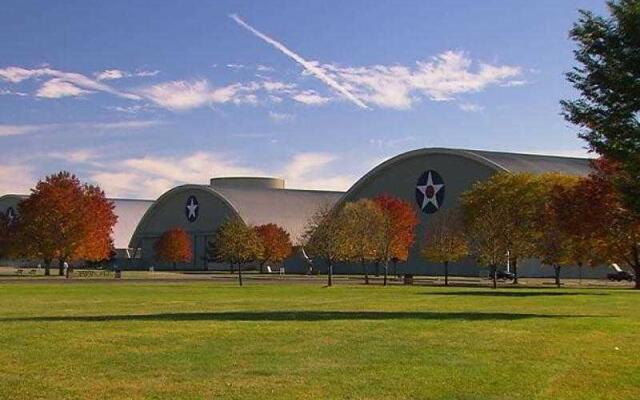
<point>199,340</point>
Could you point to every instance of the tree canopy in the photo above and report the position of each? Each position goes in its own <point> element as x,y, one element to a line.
<point>276,244</point>
<point>608,80</point>
<point>235,243</point>
<point>66,220</point>
<point>174,246</point>
<point>445,240</point>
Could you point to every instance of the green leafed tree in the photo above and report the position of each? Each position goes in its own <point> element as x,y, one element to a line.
<point>608,79</point>
<point>445,240</point>
<point>324,239</point>
<point>362,223</point>
<point>235,243</point>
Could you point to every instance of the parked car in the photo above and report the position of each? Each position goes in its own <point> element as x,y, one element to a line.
<point>502,275</point>
<point>620,276</point>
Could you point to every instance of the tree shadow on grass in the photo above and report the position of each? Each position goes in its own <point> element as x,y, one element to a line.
<point>517,293</point>
<point>297,316</point>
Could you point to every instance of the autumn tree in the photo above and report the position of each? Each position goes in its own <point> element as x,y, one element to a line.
<point>616,228</point>
<point>324,239</point>
<point>276,244</point>
<point>555,244</point>
<point>608,81</point>
<point>362,223</point>
<point>235,243</point>
<point>66,220</point>
<point>445,240</point>
<point>398,230</point>
<point>174,246</point>
<point>482,215</point>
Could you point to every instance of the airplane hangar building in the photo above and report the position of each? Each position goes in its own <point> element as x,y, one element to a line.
<point>433,179</point>
<point>201,209</point>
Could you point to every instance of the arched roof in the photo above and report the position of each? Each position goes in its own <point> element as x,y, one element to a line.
<point>288,208</point>
<point>498,161</point>
<point>129,214</point>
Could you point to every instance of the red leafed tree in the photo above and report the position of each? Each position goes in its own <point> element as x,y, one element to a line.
<point>276,244</point>
<point>97,243</point>
<point>174,246</point>
<point>615,229</point>
<point>398,231</point>
<point>66,220</point>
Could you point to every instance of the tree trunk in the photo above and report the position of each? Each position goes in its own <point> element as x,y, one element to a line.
<point>494,276</point>
<point>366,271</point>
<point>386,269</point>
<point>231,268</point>
<point>557,271</point>
<point>515,271</point>
<point>330,276</point>
<point>377,268</point>
<point>262,267</point>
<point>580,273</point>
<point>446,273</point>
<point>61,267</point>
<point>47,267</point>
<point>240,274</point>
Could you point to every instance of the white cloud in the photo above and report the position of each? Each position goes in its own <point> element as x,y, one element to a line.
<point>75,156</point>
<point>442,78</point>
<point>310,97</point>
<point>183,95</point>
<point>310,67</point>
<point>15,178</point>
<point>62,84</point>
<point>7,92</point>
<point>56,88</point>
<point>111,74</point>
<point>281,117</point>
<point>13,130</point>
<point>470,107</point>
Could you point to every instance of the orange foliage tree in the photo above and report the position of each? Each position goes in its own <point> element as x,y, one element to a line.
<point>615,229</point>
<point>174,246</point>
<point>276,244</point>
<point>398,230</point>
<point>65,219</point>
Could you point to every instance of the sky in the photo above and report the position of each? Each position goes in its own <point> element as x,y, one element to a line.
<point>141,96</point>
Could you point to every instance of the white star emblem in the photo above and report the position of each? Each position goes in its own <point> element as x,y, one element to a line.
<point>429,190</point>
<point>192,207</point>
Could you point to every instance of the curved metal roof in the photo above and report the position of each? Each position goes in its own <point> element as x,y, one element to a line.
<point>129,214</point>
<point>517,162</point>
<point>288,208</point>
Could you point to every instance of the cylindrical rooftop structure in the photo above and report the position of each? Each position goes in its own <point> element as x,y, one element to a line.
<point>242,182</point>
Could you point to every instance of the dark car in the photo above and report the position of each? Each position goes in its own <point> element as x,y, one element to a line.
<point>620,276</point>
<point>502,275</point>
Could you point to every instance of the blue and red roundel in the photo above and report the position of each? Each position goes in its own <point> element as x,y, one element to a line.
<point>430,192</point>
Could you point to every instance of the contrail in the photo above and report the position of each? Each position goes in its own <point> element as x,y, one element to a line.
<point>316,71</point>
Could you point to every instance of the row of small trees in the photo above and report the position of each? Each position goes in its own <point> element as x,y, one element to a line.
<point>234,243</point>
<point>561,220</point>
<point>62,219</point>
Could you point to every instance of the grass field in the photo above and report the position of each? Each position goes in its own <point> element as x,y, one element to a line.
<point>199,340</point>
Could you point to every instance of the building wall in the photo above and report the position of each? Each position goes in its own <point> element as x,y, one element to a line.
<point>459,173</point>
<point>169,212</point>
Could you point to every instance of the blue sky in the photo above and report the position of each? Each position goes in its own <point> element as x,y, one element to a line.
<point>140,96</point>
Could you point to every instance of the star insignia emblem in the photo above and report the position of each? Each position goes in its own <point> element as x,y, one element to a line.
<point>430,192</point>
<point>191,208</point>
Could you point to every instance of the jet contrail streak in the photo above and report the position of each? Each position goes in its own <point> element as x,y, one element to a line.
<point>313,69</point>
